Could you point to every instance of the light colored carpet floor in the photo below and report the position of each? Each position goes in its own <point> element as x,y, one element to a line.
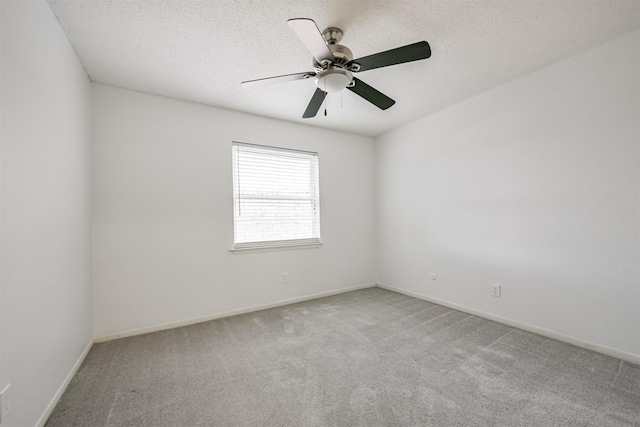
<point>364,358</point>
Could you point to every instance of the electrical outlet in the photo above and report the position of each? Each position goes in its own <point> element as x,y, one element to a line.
<point>5,402</point>
<point>285,277</point>
<point>496,291</point>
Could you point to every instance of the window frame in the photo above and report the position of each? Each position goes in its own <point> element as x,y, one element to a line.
<point>314,197</point>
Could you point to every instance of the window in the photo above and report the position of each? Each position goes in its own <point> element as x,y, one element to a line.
<point>276,198</point>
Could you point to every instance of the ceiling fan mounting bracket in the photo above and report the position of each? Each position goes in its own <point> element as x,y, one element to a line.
<point>332,35</point>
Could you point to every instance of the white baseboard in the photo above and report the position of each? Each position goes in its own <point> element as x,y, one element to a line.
<point>195,320</point>
<point>618,354</point>
<point>63,387</point>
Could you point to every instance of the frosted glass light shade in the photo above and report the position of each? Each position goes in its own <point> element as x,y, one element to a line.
<point>333,80</point>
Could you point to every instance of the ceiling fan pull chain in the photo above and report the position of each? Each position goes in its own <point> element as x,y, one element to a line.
<point>325,99</point>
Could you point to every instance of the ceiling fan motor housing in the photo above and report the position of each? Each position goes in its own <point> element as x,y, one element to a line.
<point>341,53</point>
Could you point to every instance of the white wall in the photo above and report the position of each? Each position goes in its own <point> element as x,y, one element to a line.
<point>533,185</point>
<point>45,265</point>
<point>163,217</point>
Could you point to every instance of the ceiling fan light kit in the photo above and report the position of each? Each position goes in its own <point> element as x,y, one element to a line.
<point>333,80</point>
<point>334,65</point>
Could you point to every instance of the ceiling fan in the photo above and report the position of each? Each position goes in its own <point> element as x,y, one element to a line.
<point>334,65</point>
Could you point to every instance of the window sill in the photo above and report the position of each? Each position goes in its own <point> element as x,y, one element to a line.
<point>275,248</point>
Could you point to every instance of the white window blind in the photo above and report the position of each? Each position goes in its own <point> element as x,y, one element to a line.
<point>276,198</point>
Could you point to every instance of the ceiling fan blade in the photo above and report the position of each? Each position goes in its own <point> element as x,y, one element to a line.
<point>307,30</point>
<point>249,84</point>
<point>372,95</point>
<point>314,104</point>
<point>400,55</point>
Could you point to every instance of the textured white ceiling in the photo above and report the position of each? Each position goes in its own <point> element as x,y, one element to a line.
<point>201,50</point>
